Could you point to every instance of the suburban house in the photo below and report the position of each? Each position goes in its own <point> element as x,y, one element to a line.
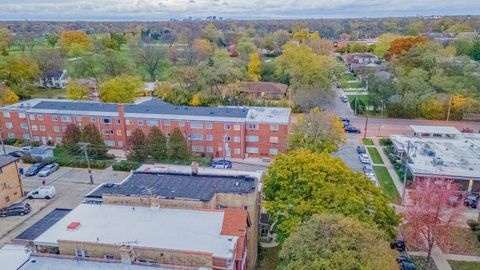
<point>188,187</point>
<point>169,238</point>
<point>235,132</point>
<point>54,79</point>
<point>441,153</point>
<point>11,189</point>
<point>258,90</point>
<point>41,153</point>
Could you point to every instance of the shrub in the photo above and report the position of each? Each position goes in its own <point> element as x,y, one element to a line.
<point>125,165</point>
<point>386,142</point>
<point>28,159</point>
<point>473,224</point>
<point>35,144</point>
<point>477,233</point>
<point>10,141</point>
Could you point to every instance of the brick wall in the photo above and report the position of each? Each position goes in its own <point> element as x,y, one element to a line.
<point>10,185</point>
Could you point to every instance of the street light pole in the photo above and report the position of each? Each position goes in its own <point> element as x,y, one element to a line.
<point>84,148</point>
<point>405,160</point>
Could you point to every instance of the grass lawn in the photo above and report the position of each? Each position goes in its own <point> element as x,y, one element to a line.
<point>48,93</point>
<point>386,184</point>
<point>461,265</point>
<point>375,155</point>
<point>367,141</point>
<point>421,263</point>
<point>347,76</point>
<point>346,85</point>
<point>464,243</point>
<point>268,258</point>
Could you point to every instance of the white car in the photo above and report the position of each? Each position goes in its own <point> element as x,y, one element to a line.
<point>48,169</point>
<point>365,159</point>
<point>44,192</point>
<point>374,180</point>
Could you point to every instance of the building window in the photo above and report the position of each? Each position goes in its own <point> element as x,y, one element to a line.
<point>78,118</point>
<point>9,125</point>
<point>42,128</point>
<point>197,148</point>
<point>34,127</point>
<point>56,128</point>
<point>120,144</point>
<point>252,126</point>
<point>274,127</point>
<point>209,137</point>
<point>93,119</point>
<point>140,122</point>
<point>273,151</point>
<point>208,125</point>
<point>181,123</point>
<point>109,257</point>
<point>252,150</point>
<point>26,137</point>
<point>226,126</point>
<point>128,122</point>
<point>36,138</point>
<point>110,143</point>
<point>237,151</point>
<point>152,123</point>
<point>252,138</point>
<point>108,132</point>
<point>66,118</point>
<point>166,122</point>
<point>22,115</point>
<point>273,139</point>
<point>54,118</point>
<point>6,114</point>
<point>11,135</point>
<point>117,120</point>
<point>129,133</point>
<point>236,139</point>
<point>236,127</point>
<point>40,117</point>
<point>209,149</point>
<point>107,121</point>
<point>31,116</point>
<point>58,140</point>
<point>196,125</point>
<point>197,137</point>
<point>24,125</point>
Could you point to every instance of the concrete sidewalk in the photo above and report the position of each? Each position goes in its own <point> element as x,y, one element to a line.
<point>389,166</point>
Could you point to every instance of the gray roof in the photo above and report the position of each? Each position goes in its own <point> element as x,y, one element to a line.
<point>169,185</point>
<point>77,106</point>
<point>5,160</point>
<point>40,150</point>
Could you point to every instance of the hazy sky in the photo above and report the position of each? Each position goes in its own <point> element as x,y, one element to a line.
<point>243,9</point>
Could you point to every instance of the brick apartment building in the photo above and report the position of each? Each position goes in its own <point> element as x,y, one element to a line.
<point>185,187</point>
<point>169,238</point>
<point>237,132</point>
<point>10,182</point>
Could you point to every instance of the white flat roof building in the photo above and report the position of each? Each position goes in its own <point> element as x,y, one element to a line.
<point>435,131</point>
<point>13,256</point>
<point>268,115</point>
<point>163,228</point>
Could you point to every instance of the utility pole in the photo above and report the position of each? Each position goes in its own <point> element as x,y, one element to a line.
<point>449,107</point>
<point>3,145</point>
<point>381,119</point>
<point>405,160</point>
<point>84,148</point>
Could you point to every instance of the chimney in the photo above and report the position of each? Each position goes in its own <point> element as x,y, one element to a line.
<point>194,168</point>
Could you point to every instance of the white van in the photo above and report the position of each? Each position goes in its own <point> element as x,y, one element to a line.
<point>44,192</point>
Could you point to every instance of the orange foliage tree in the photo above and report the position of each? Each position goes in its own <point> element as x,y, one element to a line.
<point>401,45</point>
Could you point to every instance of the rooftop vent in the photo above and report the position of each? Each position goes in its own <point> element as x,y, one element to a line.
<point>437,161</point>
<point>73,225</point>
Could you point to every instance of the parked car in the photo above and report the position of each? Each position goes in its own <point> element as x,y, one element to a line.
<point>471,200</point>
<point>406,263</point>
<point>44,192</point>
<point>48,169</point>
<point>365,159</point>
<point>17,154</point>
<point>345,119</point>
<point>223,164</point>
<point>344,98</point>
<point>361,149</point>
<point>17,209</point>
<point>374,179</point>
<point>399,245</point>
<point>455,199</point>
<point>368,170</point>
<point>34,169</point>
<point>351,129</point>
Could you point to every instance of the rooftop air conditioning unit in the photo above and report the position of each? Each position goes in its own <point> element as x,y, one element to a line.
<point>437,161</point>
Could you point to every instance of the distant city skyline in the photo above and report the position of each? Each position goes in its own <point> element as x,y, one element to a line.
<point>234,9</point>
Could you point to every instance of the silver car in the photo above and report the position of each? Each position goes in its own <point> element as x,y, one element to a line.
<point>48,169</point>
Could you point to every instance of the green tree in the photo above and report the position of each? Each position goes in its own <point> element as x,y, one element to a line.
<point>336,242</point>
<point>245,47</point>
<point>254,67</point>
<point>96,148</point>
<point>475,52</point>
<point>317,131</point>
<point>137,144</point>
<point>380,90</point>
<point>16,71</point>
<point>413,89</point>
<point>301,183</point>
<point>383,44</point>
<point>5,40</point>
<point>52,39</point>
<point>178,146</point>
<point>71,137</point>
<point>123,88</point>
<point>157,144</point>
<point>152,58</point>
<point>77,91</point>
<point>463,46</point>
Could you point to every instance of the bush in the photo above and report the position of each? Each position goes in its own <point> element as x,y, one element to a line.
<point>477,233</point>
<point>386,142</point>
<point>473,224</point>
<point>10,141</point>
<point>125,165</point>
<point>35,144</point>
<point>28,159</point>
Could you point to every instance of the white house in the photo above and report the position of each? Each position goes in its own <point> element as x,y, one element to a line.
<point>54,79</point>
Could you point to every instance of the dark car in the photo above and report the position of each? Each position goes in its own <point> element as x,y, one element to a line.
<point>455,199</point>
<point>471,200</point>
<point>34,169</point>
<point>404,258</point>
<point>361,149</point>
<point>350,129</point>
<point>224,164</point>
<point>399,245</point>
<point>407,265</point>
<point>17,209</point>
<point>17,154</point>
<point>345,119</point>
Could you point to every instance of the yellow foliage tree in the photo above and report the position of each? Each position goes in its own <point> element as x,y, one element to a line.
<point>314,36</point>
<point>196,101</point>
<point>383,44</point>
<point>77,39</point>
<point>254,67</point>
<point>123,88</point>
<point>7,96</point>
<point>77,91</point>
<point>459,105</point>
<point>163,91</point>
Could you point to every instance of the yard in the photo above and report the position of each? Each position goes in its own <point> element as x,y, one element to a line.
<point>386,184</point>
<point>421,263</point>
<point>464,243</point>
<point>461,265</point>
<point>375,155</point>
<point>367,141</point>
<point>268,258</point>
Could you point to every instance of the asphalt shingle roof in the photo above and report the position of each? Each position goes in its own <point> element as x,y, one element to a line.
<point>77,106</point>
<point>197,187</point>
<point>5,160</point>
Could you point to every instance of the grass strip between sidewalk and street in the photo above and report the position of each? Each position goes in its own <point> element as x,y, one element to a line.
<point>386,184</point>
<point>367,141</point>
<point>375,155</point>
<point>463,265</point>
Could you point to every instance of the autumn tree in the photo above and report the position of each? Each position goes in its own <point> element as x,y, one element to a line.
<point>196,100</point>
<point>77,91</point>
<point>156,144</point>
<point>429,218</point>
<point>317,131</point>
<point>335,242</point>
<point>178,148</point>
<point>245,47</point>
<point>123,88</point>
<point>113,64</point>
<point>137,144</point>
<point>202,49</point>
<point>48,61</point>
<point>254,67</point>
<point>96,148</point>
<point>16,71</point>
<point>7,96</point>
<point>281,37</point>
<point>383,44</point>
<point>71,137</point>
<point>301,183</point>
<point>75,39</point>
<point>150,57</point>
<point>212,34</point>
<point>401,45</point>
<point>164,91</point>
<point>5,40</point>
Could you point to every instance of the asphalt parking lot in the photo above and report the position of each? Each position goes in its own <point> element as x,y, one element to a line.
<point>348,152</point>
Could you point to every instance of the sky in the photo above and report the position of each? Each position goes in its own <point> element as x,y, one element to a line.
<point>235,9</point>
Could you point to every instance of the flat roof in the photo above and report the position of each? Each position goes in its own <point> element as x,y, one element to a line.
<point>43,224</point>
<point>177,182</point>
<point>5,160</point>
<point>435,129</point>
<point>460,155</point>
<point>163,228</point>
<point>268,115</point>
<point>13,256</point>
